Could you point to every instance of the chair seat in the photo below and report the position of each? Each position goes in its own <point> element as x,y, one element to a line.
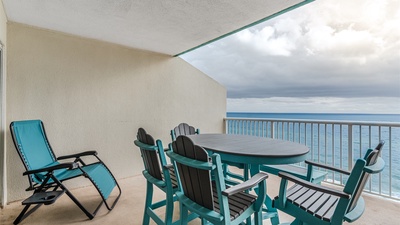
<point>319,204</point>
<point>96,171</point>
<point>101,177</point>
<point>238,203</point>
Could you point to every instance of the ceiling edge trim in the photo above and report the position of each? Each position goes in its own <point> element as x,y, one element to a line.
<point>247,26</point>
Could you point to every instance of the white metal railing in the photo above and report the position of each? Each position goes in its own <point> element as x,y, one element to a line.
<point>336,143</point>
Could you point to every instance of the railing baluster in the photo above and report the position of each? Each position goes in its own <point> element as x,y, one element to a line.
<point>380,174</point>
<point>341,152</point>
<point>390,162</point>
<point>350,146</point>
<point>333,149</point>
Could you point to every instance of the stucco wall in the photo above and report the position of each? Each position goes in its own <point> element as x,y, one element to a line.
<point>95,95</point>
<point>3,40</point>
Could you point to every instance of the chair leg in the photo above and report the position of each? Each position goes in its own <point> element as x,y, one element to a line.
<point>183,214</point>
<point>72,197</point>
<point>258,218</point>
<point>169,207</point>
<point>149,198</point>
<point>25,213</point>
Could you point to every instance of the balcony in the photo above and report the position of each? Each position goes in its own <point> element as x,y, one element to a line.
<point>382,200</point>
<point>129,210</point>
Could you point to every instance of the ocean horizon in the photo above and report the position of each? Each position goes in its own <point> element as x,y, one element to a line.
<point>371,117</point>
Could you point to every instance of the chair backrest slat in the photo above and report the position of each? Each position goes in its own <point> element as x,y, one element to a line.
<point>150,158</point>
<point>196,183</point>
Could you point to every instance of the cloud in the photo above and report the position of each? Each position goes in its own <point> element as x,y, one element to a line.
<point>326,49</point>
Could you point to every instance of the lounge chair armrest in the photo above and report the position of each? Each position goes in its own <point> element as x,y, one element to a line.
<point>252,182</point>
<point>313,186</point>
<point>327,167</point>
<point>77,155</point>
<point>71,165</point>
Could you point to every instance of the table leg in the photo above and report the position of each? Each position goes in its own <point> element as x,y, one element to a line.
<point>268,211</point>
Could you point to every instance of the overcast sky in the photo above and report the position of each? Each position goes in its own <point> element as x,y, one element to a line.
<point>327,56</point>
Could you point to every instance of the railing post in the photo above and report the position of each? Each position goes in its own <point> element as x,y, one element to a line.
<point>272,129</point>
<point>350,146</point>
<point>225,126</point>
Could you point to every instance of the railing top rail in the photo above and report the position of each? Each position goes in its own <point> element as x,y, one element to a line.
<point>367,123</point>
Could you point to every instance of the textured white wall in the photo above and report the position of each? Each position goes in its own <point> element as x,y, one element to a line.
<point>95,95</point>
<point>3,40</point>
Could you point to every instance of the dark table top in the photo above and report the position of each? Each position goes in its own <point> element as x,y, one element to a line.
<point>252,149</point>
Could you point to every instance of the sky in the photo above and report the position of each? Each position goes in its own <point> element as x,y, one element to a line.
<point>329,56</point>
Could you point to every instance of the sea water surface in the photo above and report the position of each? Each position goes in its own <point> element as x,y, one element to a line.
<point>320,116</point>
<point>329,143</point>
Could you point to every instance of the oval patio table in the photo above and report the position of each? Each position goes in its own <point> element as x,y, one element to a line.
<point>254,151</point>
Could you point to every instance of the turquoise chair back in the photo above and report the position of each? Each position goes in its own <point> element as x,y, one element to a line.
<point>33,147</point>
<point>32,144</point>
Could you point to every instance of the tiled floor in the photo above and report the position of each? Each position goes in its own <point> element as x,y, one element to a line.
<point>129,209</point>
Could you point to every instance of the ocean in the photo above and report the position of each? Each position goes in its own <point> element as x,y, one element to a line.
<point>328,142</point>
<point>320,116</point>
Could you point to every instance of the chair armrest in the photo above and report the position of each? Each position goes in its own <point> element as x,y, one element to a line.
<point>77,155</point>
<point>377,167</point>
<point>252,182</point>
<point>71,165</point>
<point>327,167</point>
<point>313,186</point>
<point>169,166</point>
<point>356,212</point>
<point>145,146</point>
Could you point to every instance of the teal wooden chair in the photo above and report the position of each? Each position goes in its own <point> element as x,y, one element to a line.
<point>186,129</point>
<point>160,174</point>
<point>314,204</point>
<point>202,188</point>
<point>183,129</point>
<point>46,172</point>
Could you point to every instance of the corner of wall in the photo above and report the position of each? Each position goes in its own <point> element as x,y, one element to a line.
<point>3,41</point>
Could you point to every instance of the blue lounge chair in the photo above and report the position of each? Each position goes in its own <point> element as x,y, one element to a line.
<point>46,173</point>
<point>314,204</point>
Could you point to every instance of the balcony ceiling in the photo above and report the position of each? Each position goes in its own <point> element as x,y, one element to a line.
<point>164,26</point>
